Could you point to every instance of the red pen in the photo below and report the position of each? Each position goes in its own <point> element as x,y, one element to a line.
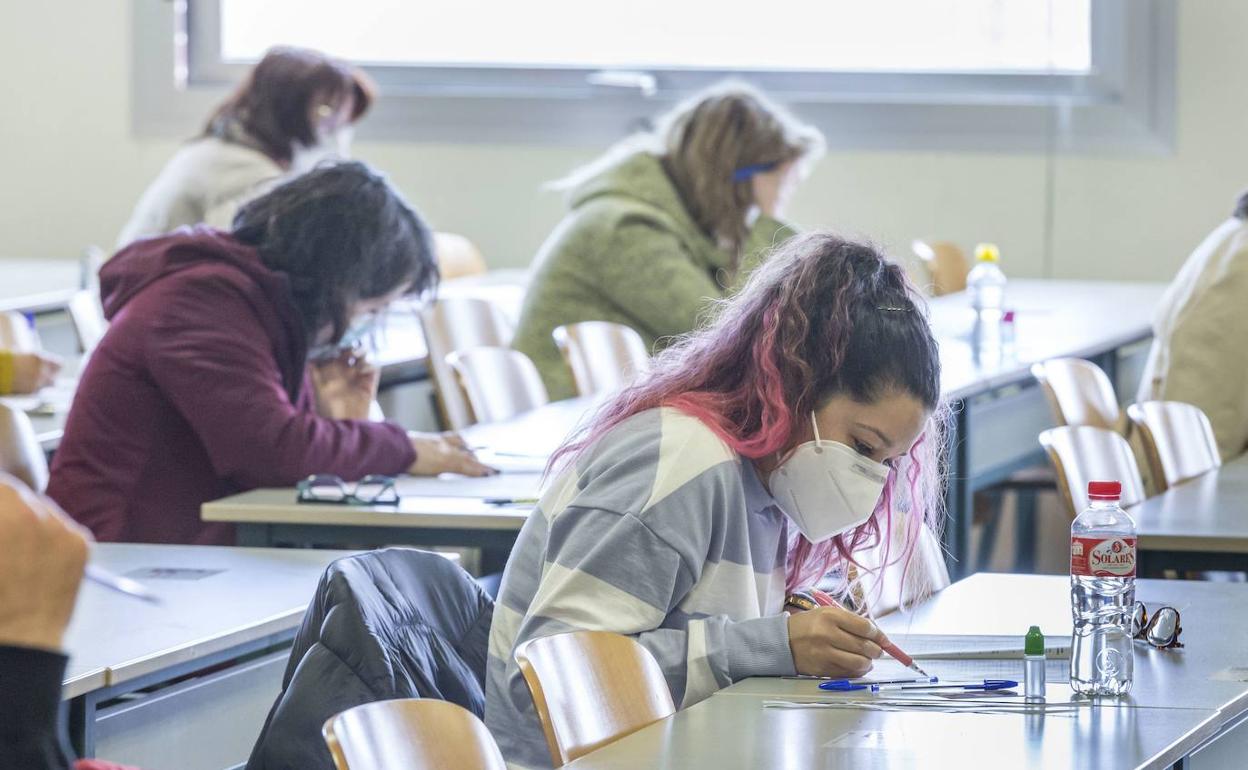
<point>896,652</point>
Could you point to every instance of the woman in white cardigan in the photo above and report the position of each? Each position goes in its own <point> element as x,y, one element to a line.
<point>295,107</point>
<point>1198,349</point>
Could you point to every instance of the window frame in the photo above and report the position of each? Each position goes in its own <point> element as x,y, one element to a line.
<point>1126,104</point>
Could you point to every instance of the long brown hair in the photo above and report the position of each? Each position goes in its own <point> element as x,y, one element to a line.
<point>272,106</point>
<point>708,138</point>
<point>703,142</point>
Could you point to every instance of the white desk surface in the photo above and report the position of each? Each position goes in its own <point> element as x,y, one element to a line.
<point>1052,319</point>
<point>258,591</point>
<point>1174,707</point>
<point>30,284</point>
<point>1209,513</point>
<point>453,502</point>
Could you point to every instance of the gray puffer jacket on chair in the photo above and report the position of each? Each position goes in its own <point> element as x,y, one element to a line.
<point>395,623</point>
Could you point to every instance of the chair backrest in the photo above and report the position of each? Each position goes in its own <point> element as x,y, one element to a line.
<point>946,265</point>
<point>452,324</point>
<point>411,734</point>
<point>1082,453</point>
<point>1178,441</point>
<point>457,256</point>
<point>87,316</point>
<point>500,382</point>
<point>591,688</point>
<point>603,356</point>
<point>889,579</point>
<point>1079,392</point>
<point>20,452</point>
<point>16,333</point>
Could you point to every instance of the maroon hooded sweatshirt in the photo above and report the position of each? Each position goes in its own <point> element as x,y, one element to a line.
<point>199,391</point>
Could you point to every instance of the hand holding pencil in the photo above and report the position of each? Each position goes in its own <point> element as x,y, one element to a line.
<point>832,641</point>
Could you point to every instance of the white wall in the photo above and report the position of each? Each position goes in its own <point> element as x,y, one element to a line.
<point>70,169</point>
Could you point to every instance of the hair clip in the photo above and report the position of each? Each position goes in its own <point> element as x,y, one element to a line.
<point>745,173</point>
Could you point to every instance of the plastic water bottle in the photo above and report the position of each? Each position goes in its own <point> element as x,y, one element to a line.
<point>986,282</point>
<point>986,286</point>
<point>1102,594</point>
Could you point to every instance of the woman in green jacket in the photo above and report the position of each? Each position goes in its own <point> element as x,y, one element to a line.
<point>665,222</point>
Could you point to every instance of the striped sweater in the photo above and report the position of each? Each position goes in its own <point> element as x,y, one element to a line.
<point>660,532</point>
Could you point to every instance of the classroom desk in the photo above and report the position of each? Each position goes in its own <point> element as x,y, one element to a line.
<point>1175,714</point>
<point>449,510</point>
<point>998,410</point>
<point>39,285</point>
<point>1199,525</point>
<point>193,678</point>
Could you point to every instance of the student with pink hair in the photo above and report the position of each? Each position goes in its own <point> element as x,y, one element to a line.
<point>757,457</point>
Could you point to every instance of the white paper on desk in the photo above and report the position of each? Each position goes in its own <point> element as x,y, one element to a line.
<point>927,646</point>
<point>511,462</point>
<point>1056,670</point>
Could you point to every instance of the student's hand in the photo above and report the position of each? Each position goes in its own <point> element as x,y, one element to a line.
<point>830,641</point>
<point>445,453</point>
<point>44,554</point>
<point>345,386</point>
<point>32,371</point>
<point>773,189</point>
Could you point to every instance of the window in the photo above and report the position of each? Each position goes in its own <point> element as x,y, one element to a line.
<point>936,36</point>
<point>955,74</point>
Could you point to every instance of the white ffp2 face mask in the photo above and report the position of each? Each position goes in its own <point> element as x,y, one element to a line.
<point>827,488</point>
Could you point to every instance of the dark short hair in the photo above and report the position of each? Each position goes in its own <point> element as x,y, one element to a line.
<point>342,234</point>
<point>273,104</point>
<point>1241,206</point>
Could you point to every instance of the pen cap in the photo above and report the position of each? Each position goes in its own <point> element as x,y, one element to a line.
<point>1033,643</point>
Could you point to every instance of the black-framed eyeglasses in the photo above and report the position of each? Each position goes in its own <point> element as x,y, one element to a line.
<point>327,488</point>
<point>1161,629</point>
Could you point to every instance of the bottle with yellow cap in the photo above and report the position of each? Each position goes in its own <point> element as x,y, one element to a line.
<point>986,282</point>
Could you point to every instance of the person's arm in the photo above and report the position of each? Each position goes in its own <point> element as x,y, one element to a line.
<point>1206,367</point>
<point>27,372</point>
<point>647,273</point>
<point>209,355</point>
<point>45,553</point>
<point>610,572</point>
<point>30,697</point>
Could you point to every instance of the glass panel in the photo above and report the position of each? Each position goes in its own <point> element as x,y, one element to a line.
<point>813,35</point>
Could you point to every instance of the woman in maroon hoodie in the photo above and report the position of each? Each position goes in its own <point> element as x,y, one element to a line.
<point>200,388</point>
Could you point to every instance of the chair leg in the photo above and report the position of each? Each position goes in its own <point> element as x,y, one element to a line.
<point>1026,536</point>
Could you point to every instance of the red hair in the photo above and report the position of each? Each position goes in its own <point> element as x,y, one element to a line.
<point>822,316</point>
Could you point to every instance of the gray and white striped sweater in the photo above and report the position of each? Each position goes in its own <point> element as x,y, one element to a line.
<point>662,533</point>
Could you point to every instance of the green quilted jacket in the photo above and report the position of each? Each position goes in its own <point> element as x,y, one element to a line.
<point>630,253</point>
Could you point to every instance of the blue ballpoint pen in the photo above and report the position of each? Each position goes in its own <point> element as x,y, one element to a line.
<point>845,685</point>
<point>989,684</point>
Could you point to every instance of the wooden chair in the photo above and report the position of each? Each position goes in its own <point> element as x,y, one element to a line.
<point>887,581</point>
<point>453,324</point>
<point>1177,439</point>
<point>1079,393</point>
<point>1083,453</point>
<point>20,452</point>
<point>500,382</point>
<point>457,256</point>
<point>87,316</point>
<point>946,265</point>
<point>591,688</point>
<point>17,334</point>
<point>411,734</point>
<point>603,356</point>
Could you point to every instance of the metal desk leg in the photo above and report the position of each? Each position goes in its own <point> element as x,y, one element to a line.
<point>1026,535</point>
<point>959,500</point>
<point>82,725</point>
<point>254,535</point>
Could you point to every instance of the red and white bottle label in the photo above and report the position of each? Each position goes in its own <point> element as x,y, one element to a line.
<point>1102,557</point>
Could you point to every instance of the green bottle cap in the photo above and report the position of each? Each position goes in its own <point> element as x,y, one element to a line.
<point>1033,643</point>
